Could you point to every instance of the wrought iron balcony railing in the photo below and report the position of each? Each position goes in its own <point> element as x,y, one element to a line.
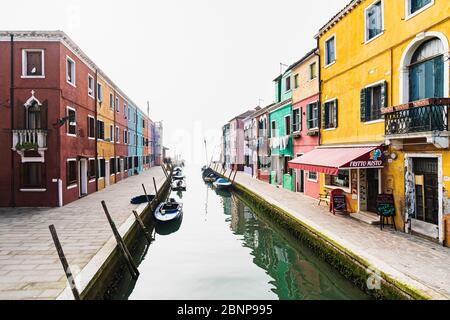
<point>421,116</point>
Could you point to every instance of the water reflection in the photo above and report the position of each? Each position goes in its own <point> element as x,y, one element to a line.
<point>165,229</point>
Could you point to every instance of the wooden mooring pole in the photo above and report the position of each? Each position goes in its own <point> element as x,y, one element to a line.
<point>65,264</point>
<point>142,225</point>
<point>123,248</point>
<point>156,188</point>
<point>231,172</point>
<point>146,194</point>
<point>234,177</point>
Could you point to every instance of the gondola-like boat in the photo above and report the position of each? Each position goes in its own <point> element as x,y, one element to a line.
<point>169,211</point>
<point>179,185</point>
<point>222,184</point>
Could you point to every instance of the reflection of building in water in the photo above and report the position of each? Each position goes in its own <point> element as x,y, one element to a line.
<point>237,216</point>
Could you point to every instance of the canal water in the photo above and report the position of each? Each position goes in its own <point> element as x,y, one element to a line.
<point>223,250</point>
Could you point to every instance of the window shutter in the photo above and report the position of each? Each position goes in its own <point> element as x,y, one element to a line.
<point>363,105</point>
<point>308,116</point>
<point>335,120</point>
<point>384,95</point>
<point>324,116</point>
<point>300,119</point>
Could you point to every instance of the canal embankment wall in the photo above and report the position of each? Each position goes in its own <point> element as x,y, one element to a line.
<point>378,279</point>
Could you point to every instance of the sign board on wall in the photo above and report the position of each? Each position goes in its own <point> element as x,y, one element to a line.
<point>373,159</point>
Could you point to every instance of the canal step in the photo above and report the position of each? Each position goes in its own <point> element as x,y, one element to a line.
<point>366,217</point>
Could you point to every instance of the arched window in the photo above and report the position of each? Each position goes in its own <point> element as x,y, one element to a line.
<point>426,71</point>
<point>33,116</point>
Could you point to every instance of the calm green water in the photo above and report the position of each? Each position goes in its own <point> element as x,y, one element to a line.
<point>223,250</point>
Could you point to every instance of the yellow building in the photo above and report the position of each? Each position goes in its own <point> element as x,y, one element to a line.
<point>376,55</point>
<point>105,131</point>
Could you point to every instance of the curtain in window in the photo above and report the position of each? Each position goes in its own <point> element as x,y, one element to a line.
<point>330,50</point>
<point>34,63</point>
<point>374,20</point>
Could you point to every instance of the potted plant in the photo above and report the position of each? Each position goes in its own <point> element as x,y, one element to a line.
<point>27,146</point>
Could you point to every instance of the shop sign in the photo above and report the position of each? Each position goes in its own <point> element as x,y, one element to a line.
<point>372,159</point>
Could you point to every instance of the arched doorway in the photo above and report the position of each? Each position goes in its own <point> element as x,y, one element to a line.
<point>424,68</point>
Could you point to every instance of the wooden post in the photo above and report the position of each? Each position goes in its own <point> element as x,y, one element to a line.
<point>165,172</point>
<point>234,177</point>
<point>64,263</point>
<point>156,189</point>
<point>231,172</point>
<point>142,225</point>
<point>145,192</point>
<point>123,248</point>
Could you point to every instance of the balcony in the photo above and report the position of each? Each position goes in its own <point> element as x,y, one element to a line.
<point>31,144</point>
<point>424,119</point>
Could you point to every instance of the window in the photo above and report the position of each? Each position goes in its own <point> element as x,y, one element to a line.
<point>416,6</point>
<point>136,162</point>
<point>312,176</point>
<point>100,130</point>
<point>32,175</point>
<point>312,116</point>
<point>143,123</point>
<point>297,120</point>
<point>99,92</point>
<point>342,180</point>
<point>102,168</point>
<point>125,137</point>
<point>91,169</point>
<point>330,51</point>
<point>330,115</point>
<point>112,163</point>
<point>70,70</point>
<point>33,63</point>
<point>71,122</point>
<point>91,127</point>
<point>117,165</point>
<point>111,133</point>
<point>90,86</point>
<point>374,20</point>
<point>372,100</point>
<point>128,111</point>
<point>313,71</point>
<point>287,124</point>
<point>71,172</point>
<point>288,83</point>
<point>296,81</point>
<point>125,111</point>
<point>117,105</point>
<point>135,117</point>
<point>111,101</point>
<point>274,129</point>
<point>117,134</point>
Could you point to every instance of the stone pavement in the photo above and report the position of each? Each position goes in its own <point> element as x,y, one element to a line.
<point>421,264</point>
<point>29,264</point>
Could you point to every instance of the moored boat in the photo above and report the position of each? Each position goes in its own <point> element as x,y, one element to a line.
<point>169,211</point>
<point>222,183</point>
<point>179,185</point>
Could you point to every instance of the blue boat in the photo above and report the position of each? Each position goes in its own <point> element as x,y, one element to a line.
<point>169,211</point>
<point>142,199</point>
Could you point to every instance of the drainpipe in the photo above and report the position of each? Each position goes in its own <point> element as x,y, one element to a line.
<point>11,102</point>
<point>317,53</point>
<point>96,129</point>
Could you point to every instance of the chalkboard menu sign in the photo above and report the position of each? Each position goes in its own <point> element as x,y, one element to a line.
<point>339,203</point>
<point>386,205</point>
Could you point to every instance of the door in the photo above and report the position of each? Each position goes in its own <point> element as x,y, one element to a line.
<point>300,181</point>
<point>122,169</point>
<point>426,214</point>
<point>372,189</point>
<point>83,177</point>
<point>107,174</point>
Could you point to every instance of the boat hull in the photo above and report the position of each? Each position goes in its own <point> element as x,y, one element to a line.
<point>167,217</point>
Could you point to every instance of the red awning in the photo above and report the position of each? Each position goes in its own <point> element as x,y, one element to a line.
<point>330,160</point>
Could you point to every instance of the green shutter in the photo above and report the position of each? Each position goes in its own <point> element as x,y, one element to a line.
<point>363,106</point>
<point>324,116</point>
<point>336,114</point>
<point>308,116</point>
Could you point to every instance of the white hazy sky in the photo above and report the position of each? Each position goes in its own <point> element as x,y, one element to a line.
<point>198,62</point>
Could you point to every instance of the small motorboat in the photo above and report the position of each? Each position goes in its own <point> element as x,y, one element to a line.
<point>178,175</point>
<point>222,183</point>
<point>179,185</point>
<point>169,211</point>
<point>204,168</point>
<point>142,199</point>
<point>177,169</point>
<point>210,178</point>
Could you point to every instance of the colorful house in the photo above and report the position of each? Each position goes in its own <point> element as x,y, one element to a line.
<point>281,142</point>
<point>250,144</point>
<point>385,84</point>
<point>226,153</point>
<point>140,140</point>
<point>237,141</point>
<point>305,119</point>
<point>132,134</point>
<point>263,150</point>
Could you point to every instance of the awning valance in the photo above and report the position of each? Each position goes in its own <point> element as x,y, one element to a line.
<point>331,160</point>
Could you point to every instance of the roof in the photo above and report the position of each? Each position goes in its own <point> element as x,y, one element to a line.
<point>305,57</point>
<point>61,36</point>
<point>347,9</point>
<point>244,115</point>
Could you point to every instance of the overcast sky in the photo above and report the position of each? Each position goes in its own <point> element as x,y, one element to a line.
<point>198,62</point>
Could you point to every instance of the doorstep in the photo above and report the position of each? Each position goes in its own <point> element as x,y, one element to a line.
<point>366,217</point>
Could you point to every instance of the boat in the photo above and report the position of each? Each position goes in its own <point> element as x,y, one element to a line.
<point>142,199</point>
<point>222,183</point>
<point>178,175</point>
<point>179,185</point>
<point>169,211</point>
<point>165,229</point>
<point>210,178</point>
<point>177,169</point>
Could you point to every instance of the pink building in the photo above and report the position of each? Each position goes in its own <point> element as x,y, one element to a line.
<point>237,138</point>
<point>305,115</point>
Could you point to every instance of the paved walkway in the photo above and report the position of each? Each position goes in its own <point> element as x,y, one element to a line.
<point>416,262</point>
<point>29,264</point>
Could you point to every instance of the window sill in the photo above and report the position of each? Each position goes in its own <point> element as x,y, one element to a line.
<point>92,180</point>
<point>72,84</point>
<point>374,38</point>
<point>33,190</point>
<point>92,97</point>
<point>412,15</point>
<point>310,180</point>
<point>71,135</point>
<point>329,129</point>
<point>329,65</point>
<point>32,77</point>
<point>72,186</point>
<point>374,121</point>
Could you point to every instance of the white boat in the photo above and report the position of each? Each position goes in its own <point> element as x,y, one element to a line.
<point>179,185</point>
<point>222,183</point>
<point>178,175</point>
<point>169,211</point>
